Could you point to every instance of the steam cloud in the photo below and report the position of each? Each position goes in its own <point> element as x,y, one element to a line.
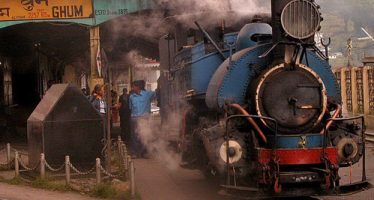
<point>157,145</point>
<point>218,7</point>
<point>207,12</point>
<point>132,57</point>
<point>152,26</point>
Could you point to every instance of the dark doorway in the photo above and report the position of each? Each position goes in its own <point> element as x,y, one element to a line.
<point>37,54</point>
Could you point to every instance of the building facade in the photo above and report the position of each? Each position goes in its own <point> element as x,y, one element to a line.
<point>357,89</point>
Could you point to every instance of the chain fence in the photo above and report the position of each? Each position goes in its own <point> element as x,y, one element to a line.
<point>54,169</point>
<point>126,167</point>
<point>8,163</point>
<point>24,165</point>
<point>81,172</point>
<point>108,173</point>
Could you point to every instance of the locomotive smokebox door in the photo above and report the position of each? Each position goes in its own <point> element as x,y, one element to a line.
<point>296,98</point>
<point>64,123</point>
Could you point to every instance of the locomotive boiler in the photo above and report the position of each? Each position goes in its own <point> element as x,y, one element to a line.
<point>263,108</point>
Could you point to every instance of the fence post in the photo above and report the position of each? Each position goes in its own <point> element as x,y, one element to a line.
<point>42,166</point>
<point>120,154</point>
<point>67,169</point>
<point>132,179</point>
<point>98,171</point>
<point>8,152</point>
<point>124,160</point>
<point>16,164</point>
<point>125,155</point>
<point>127,164</point>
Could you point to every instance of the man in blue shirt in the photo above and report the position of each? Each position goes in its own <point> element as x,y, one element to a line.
<point>140,106</point>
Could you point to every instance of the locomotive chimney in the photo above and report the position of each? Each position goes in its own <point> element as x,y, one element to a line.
<point>276,11</point>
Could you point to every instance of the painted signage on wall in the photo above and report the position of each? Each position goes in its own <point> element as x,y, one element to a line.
<point>11,10</point>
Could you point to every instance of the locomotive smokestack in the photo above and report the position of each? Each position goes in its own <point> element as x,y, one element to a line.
<point>276,11</point>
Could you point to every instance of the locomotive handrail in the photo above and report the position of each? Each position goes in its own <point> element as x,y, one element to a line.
<point>250,120</point>
<point>338,110</point>
<point>253,116</point>
<point>347,118</point>
<point>227,136</point>
<point>362,118</point>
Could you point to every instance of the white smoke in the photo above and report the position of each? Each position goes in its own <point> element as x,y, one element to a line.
<point>153,25</point>
<point>147,26</point>
<point>219,7</point>
<point>156,145</point>
<point>132,57</point>
<point>212,12</point>
<point>208,12</point>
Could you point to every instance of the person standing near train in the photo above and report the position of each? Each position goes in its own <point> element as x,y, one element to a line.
<point>97,100</point>
<point>125,115</point>
<point>140,106</point>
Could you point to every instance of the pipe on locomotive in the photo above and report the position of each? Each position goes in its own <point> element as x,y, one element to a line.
<point>250,120</point>
<point>334,116</point>
<point>207,36</point>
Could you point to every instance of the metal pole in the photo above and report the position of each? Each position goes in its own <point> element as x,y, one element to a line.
<point>16,164</point>
<point>67,169</point>
<point>109,125</point>
<point>132,179</point>
<point>94,46</point>
<point>364,150</point>
<point>206,34</point>
<point>42,166</point>
<point>8,152</point>
<point>98,171</point>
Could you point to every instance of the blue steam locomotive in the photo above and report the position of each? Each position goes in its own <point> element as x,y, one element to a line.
<point>262,108</point>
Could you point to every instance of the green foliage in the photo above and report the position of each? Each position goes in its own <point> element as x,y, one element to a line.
<point>127,195</point>
<point>104,191</point>
<point>15,181</point>
<point>50,185</point>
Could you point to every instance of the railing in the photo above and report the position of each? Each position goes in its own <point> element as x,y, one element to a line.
<point>348,91</point>
<point>126,166</point>
<point>363,136</point>
<point>371,90</point>
<point>360,91</point>
<point>357,91</point>
<point>338,78</point>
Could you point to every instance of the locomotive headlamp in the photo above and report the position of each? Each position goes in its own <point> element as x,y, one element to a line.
<point>234,151</point>
<point>301,19</point>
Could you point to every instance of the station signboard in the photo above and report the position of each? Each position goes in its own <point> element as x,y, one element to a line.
<point>13,10</point>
